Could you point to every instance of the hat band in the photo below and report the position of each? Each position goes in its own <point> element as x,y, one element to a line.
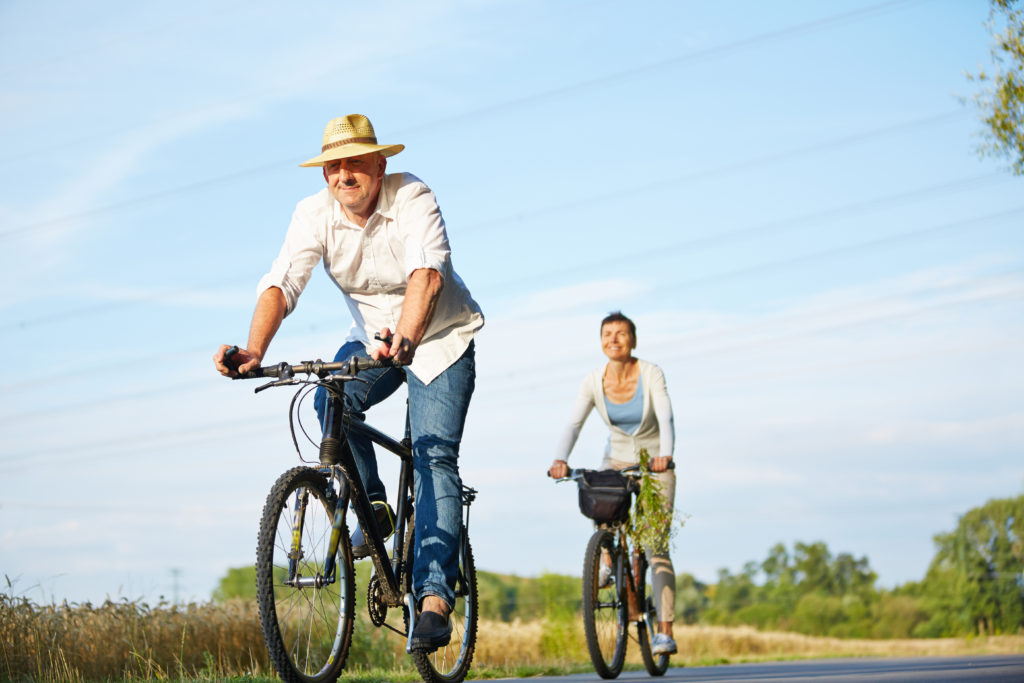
<point>348,141</point>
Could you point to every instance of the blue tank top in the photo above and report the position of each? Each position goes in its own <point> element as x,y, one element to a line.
<point>627,416</point>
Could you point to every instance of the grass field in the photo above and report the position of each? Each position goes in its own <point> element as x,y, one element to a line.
<point>127,641</point>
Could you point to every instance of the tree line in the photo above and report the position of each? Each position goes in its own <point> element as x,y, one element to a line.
<point>973,586</point>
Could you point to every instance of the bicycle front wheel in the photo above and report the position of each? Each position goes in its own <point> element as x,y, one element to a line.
<point>656,665</point>
<point>306,607</point>
<point>604,605</point>
<point>450,664</point>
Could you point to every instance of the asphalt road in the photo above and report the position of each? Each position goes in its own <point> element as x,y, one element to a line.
<point>984,669</point>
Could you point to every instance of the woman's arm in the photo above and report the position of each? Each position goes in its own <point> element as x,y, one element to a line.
<point>580,410</point>
<point>662,406</point>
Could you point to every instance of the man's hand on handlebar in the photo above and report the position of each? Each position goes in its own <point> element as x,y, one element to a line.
<point>232,361</point>
<point>394,346</point>
<point>558,469</point>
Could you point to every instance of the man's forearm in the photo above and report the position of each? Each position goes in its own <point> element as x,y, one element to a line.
<point>421,295</point>
<point>266,319</point>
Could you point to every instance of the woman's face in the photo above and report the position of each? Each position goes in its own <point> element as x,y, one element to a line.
<point>616,340</point>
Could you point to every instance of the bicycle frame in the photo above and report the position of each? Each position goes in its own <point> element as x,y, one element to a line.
<point>335,451</point>
<point>314,564</point>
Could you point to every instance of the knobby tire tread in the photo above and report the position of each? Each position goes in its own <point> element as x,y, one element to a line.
<point>656,665</point>
<point>276,505</point>
<point>591,613</point>
<point>463,656</point>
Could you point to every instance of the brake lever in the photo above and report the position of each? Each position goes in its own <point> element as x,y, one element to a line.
<point>275,383</point>
<point>345,378</point>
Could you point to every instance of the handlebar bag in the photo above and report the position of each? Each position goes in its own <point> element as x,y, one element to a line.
<point>605,496</point>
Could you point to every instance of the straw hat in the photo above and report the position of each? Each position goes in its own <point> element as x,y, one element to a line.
<point>350,136</point>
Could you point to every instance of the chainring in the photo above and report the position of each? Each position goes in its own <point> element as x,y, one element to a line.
<point>375,603</point>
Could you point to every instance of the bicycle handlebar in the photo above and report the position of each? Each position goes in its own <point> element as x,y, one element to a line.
<point>633,471</point>
<point>313,367</point>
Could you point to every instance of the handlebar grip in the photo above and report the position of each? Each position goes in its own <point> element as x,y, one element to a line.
<point>357,364</point>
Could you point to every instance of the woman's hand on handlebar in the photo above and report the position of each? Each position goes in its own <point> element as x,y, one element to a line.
<point>232,361</point>
<point>661,463</point>
<point>558,469</point>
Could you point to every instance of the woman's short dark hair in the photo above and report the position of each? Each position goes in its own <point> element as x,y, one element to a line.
<point>618,317</point>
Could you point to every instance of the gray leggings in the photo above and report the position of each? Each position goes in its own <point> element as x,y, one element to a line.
<point>663,574</point>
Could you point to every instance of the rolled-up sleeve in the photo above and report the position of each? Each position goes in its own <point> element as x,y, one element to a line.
<point>299,254</point>
<point>423,230</point>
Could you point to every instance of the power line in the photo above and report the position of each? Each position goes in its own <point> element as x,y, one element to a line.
<point>87,311</point>
<point>769,227</point>
<point>819,255</point>
<point>656,186</point>
<point>692,282</point>
<point>717,51</point>
<point>690,57</point>
<point>966,297</point>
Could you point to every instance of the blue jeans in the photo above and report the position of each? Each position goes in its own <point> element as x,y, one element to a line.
<point>437,416</point>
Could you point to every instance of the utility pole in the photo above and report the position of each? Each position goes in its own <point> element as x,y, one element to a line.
<point>176,575</point>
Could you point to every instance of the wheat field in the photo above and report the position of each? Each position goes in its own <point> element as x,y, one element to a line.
<point>132,641</point>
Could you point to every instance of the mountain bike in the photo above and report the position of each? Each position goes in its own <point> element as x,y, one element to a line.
<point>620,598</point>
<point>304,565</point>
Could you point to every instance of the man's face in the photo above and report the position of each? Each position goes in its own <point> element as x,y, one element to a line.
<point>355,182</point>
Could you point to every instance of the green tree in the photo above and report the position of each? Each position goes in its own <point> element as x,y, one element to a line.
<point>239,582</point>
<point>1001,99</point>
<point>691,598</point>
<point>975,583</point>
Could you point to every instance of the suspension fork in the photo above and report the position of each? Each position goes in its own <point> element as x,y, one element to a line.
<point>298,519</point>
<point>337,524</point>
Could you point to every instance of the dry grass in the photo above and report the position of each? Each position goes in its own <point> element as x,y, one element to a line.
<point>127,640</point>
<point>132,641</point>
<point>522,643</point>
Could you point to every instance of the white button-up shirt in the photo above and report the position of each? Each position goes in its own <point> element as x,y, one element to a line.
<point>371,266</point>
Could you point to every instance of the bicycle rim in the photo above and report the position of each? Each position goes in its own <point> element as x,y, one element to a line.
<point>450,664</point>
<point>656,665</point>
<point>604,608</point>
<point>307,618</point>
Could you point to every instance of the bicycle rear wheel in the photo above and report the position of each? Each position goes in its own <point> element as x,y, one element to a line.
<point>306,616</point>
<point>604,607</point>
<point>450,664</point>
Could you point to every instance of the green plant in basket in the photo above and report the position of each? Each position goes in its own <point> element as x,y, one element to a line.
<point>653,524</point>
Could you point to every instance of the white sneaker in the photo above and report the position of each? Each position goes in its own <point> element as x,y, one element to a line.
<point>604,576</point>
<point>662,644</point>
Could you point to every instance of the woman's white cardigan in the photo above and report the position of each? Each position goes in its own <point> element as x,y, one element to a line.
<point>656,432</point>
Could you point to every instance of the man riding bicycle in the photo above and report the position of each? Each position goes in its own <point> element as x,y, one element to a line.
<point>383,242</point>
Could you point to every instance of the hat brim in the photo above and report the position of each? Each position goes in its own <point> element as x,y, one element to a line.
<point>352,150</point>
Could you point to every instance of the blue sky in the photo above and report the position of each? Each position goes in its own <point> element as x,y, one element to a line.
<point>786,197</point>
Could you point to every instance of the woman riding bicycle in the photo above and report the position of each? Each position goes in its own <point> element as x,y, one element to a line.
<point>631,397</point>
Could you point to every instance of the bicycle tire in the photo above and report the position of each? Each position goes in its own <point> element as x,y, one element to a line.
<point>656,665</point>
<point>307,628</point>
<point>450,664</point>
<point>604,608</point>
